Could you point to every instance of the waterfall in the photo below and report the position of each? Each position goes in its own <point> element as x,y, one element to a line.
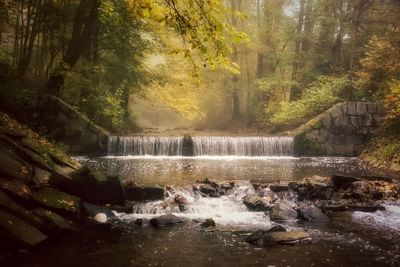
<point>243,146</point>
<point>144,145</point>
<point>202,146</point>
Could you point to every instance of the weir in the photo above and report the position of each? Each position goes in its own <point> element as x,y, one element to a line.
<point>253,146</point>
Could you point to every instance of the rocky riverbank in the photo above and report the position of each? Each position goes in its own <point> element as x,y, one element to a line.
<point>277,206</point>
<point>44,193</point>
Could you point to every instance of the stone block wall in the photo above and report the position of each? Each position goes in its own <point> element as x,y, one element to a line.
<point>73,128</point>
<point>343,130</point>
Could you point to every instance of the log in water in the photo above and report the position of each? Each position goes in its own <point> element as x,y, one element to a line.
<point>202,146</point>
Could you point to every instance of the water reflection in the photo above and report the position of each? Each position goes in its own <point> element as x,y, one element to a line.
<point>184,170</point>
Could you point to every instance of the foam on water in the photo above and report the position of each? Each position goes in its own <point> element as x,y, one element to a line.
<point>389,218</point>
<point>227,210</point>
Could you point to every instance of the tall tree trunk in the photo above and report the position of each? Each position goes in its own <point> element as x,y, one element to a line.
<point>82,30</point>
<point>295,91</point>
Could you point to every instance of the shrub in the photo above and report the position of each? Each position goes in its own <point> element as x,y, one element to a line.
<point>319,96</point>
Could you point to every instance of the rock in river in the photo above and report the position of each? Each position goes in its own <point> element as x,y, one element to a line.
<point>282,212</point>
<point>166,220</point>
<point>263,238</point>
<point>311,213</point>
<point>258,203</point>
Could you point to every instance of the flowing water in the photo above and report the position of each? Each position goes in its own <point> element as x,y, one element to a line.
<point>348,239</point>
<point>202,146</point>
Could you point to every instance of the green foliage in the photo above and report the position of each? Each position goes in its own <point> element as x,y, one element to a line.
<point>93,95</point>
<point>392,103</point>
<point>110,111</point>
<point>321,95</point>
<point>304,146</point>
<point>380,66</point>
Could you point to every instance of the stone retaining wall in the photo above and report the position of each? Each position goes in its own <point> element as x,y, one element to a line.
<point>343,130</point>
<point>73,128</point>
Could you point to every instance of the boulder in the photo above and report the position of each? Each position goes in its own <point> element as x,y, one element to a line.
<point>209,190</point>
<point>16,188</point>
<point>20,230</point>
<point>288,237</point>
<point>91,186</point>
<point>281,187</point>
<point>258,203</point>
<point>340,180</point>
<point>311,213</point>
<point>282,212</point>
<point>58,200</point>
<point>12,165</point>
<point>276,228</point>
<point>208,181</point>
<point>41,177</point>
<point>208,223</point>
<point>92,209</point>
<point>10,205</point>
<point>166,220</point>
<point>100,218</point>
<point>262,238</point>
<point>181,201</point>
<point>257,238</point>
<point>54,222</point>
<point>143,193</point>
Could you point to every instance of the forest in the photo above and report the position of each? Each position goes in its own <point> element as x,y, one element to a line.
<point>261,119</point>
<point>269,64</point>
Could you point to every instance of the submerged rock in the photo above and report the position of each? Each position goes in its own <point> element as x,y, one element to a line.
<point>258,203</point>
<point>166,220</point>
<point>263,238</point>
<point>288,237</point>
<point>20,230</point>
<point>208,223</point>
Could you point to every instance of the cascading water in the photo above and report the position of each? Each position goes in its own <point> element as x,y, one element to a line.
<point>141,146</point>
<point>225,210</point>
<point>201,146</point>
<point>243,146</point>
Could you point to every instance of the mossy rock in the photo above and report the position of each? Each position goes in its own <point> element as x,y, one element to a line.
<point>92,186</point>
<point>20,230</point>
<point>12,165</point>
<point>10,205</point>
<point>17,188</point>
<point>56,199</point>
<point>54,222</point>
<point>41,177</point>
